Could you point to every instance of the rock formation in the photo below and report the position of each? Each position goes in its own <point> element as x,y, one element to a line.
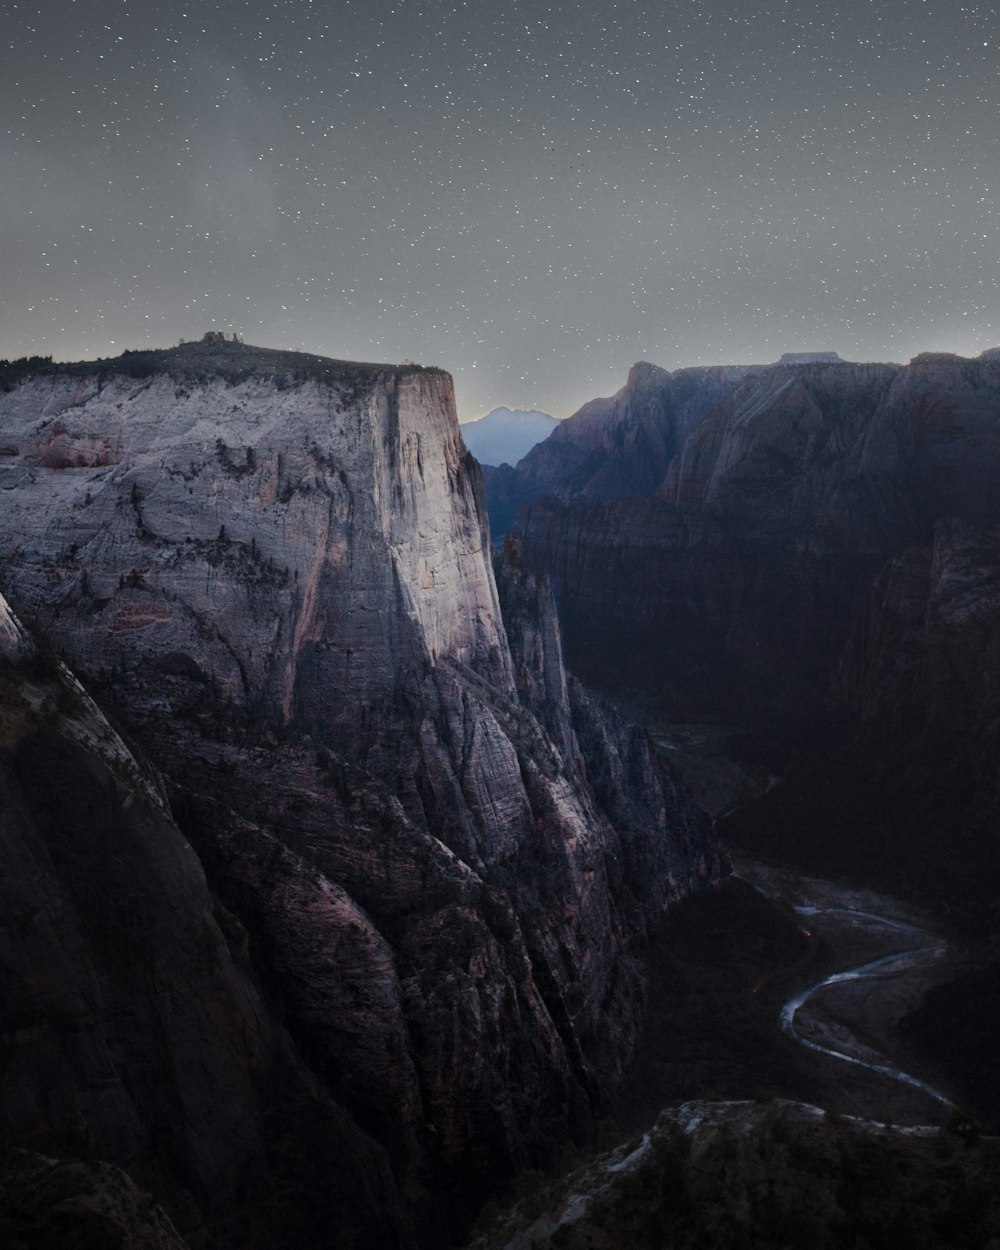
<point>754,554</point>
<point>818,561</point>
<point>614,447</point>
<point>51,1202</point>
<point>133,1028</point>
<point>756,1176</point>
<point>431,852</point>
<point>911,799</point>
<point>809,358</point>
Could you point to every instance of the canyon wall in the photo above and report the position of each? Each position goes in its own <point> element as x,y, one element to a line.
<point>748,566</point>
<point>817,564</point>
<point>622,446</point>
<point>436,851</point>
<point>134,1028</point>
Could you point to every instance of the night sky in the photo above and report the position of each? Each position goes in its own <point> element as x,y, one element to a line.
<point>532,195</point>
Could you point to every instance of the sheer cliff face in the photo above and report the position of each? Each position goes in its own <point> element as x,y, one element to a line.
<point>133,1029</point>
<point>912,799</point>
<point>818,562</point>
<point>276,568</point>
<point>622,446</point>
<point>748,568</point>
<point>321,535</point>
<point>863,455</point>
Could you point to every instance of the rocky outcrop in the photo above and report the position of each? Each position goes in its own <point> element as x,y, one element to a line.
<point>77,1206</point>
<point>764,1175</point>
<point>276,571</point>
<point>809,358</point>
<point>656,833</point>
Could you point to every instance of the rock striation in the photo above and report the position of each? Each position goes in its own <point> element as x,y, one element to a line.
<point>432,852</point>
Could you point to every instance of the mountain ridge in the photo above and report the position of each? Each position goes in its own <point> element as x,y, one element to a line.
<point>793,571</point>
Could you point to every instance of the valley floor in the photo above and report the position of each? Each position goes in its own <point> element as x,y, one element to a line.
<point>724,967</point>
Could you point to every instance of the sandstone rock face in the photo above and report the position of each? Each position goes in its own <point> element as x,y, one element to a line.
<point>234,514</point>
<point>437,850</point>
<point>614,447</point>
<point>753,565</point>
<point>818,562</point>
<point>133,1028</point>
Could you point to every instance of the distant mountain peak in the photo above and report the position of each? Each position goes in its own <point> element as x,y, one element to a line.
<point>506,435</point>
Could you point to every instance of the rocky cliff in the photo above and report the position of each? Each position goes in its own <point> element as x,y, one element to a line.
<point>45,1201</point>
<point>437,850</point>
<point>134,1030</point>
<point>751,563</point>
<point>622,446</point>
<point>911,798</point>
<point>817,562</point>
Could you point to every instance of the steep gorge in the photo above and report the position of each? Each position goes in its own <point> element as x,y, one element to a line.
<point>817,564</point>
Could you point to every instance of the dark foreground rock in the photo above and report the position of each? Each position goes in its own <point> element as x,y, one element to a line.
<point>133,1028</point>
<point>769,1175</point>
<point>52,1204</point>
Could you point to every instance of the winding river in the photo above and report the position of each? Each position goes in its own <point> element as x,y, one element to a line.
<point>911,956</point>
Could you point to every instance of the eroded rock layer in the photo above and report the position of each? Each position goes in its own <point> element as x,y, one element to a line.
<point>435,849</point>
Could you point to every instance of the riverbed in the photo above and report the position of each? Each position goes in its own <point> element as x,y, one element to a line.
<point>880,957</point>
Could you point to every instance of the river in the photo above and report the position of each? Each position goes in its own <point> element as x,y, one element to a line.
<point>891,957</point>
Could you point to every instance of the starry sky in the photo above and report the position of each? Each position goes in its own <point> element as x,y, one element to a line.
<point>532,195</point>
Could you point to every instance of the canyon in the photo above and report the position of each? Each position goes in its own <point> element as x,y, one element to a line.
<point>801,603</point>
<point>814,563</point>
<point>328,880</point>
<point>334,900</point>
